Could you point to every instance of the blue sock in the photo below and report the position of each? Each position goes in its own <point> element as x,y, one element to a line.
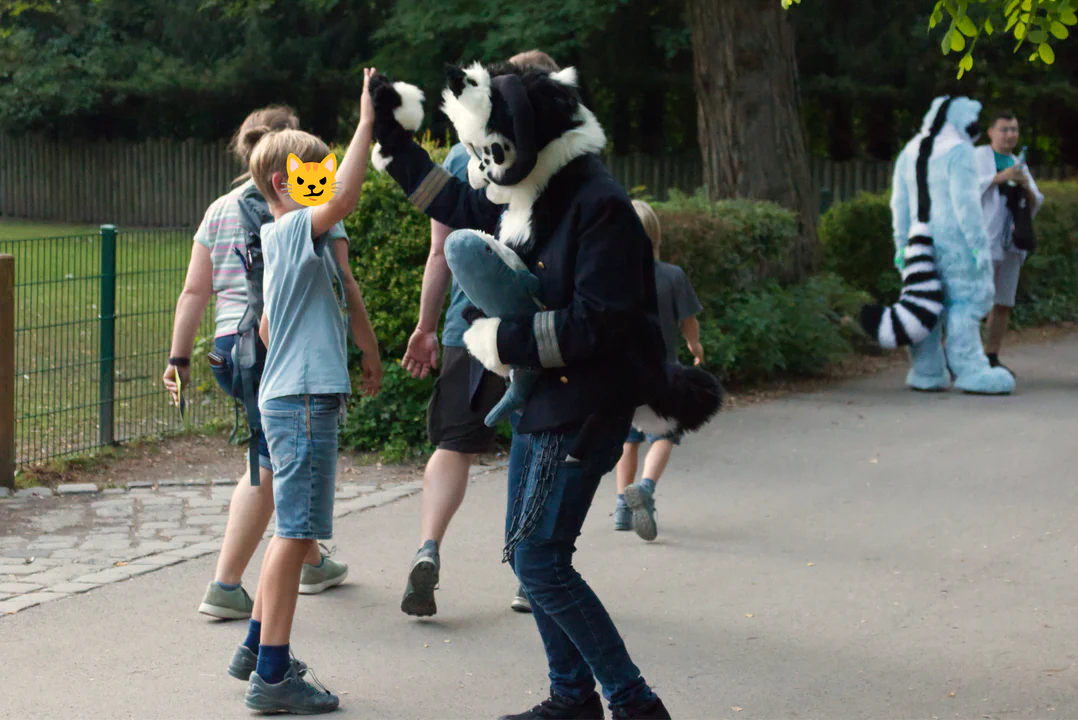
<point>254,636</point>
<point>621,500</point>
<point>648,486</point>
<point>228,586</point>
<point>273,662</point>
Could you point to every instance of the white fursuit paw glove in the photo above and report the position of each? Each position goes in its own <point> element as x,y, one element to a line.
<point>481,339</point>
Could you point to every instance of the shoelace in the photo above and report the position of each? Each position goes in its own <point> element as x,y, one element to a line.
<point>328,552</point>
<point>302,670</point>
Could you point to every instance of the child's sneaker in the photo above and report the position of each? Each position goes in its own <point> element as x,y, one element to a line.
<point>244,663</point>
<point>292,695</point>
<point>315,579</point>
<point>418,597</point>
<point>642,504</point>
<point>623,517</point>
<point>226,604</point>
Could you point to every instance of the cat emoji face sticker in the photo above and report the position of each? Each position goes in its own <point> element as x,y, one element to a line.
<point>311,183</point>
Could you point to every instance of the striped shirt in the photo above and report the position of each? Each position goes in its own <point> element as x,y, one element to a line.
<point>222,234</point>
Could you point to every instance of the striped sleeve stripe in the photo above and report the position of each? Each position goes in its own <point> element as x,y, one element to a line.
<point>432,184</point>
<point>546,340</point>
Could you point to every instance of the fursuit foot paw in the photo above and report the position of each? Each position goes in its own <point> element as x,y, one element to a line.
<point>928,383</point>
<point>991,381</point>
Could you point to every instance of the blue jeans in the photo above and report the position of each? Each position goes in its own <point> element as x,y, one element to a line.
<point>549,498</point>
<point>302,435</point>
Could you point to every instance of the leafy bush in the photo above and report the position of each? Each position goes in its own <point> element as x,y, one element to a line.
<point>389,241</point>
<point>728,246</point>
<point>774,330</point>
<point>856,244</point>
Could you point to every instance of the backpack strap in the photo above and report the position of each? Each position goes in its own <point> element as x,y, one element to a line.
<point>249,354</point>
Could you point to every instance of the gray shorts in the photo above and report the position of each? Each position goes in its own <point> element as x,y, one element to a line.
<point>1007,271</point>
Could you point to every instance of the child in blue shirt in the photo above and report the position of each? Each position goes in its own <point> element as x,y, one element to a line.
<point>302,393</point>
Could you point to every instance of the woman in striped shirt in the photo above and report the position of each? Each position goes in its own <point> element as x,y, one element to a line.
<point>216,270</point>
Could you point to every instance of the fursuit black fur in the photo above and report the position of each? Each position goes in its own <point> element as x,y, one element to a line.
<point>693,396</point>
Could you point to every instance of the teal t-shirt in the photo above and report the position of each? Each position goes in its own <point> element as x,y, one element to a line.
<point>305,303</point>
<point>456,162</point>
<point>1003,161</point>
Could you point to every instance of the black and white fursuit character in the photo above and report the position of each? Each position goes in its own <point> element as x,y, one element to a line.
<point>537,185</point>
<point>915,315</point>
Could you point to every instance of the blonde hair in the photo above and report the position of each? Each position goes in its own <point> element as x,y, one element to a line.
<point>271,154</point>
<point>650,221</point>
<point>534,59</point>
<point>256,126</point>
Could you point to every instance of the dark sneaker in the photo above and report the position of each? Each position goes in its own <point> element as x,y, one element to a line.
<point>993,361</point>
<point>313,580</point>
<point>642,505</point>
<point>292,695</point>
<point>654,710</point>
<point>623,517</point>
<point>521,603</point>
<point>244,663</point>
<point>556,707</point>
<point>226,604</point>
<point>418,597</point>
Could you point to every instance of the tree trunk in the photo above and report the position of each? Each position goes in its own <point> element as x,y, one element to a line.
<point>752,137</point>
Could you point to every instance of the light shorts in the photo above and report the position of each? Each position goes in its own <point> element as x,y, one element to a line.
<point>636,437</point>
<point>302,435</point>
<point>1007,271</point>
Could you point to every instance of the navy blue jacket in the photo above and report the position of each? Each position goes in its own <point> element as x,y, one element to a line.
<point>600,343</point>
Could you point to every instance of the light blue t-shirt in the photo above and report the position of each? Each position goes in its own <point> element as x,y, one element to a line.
<point>456,162</point>
<point>305,304</point>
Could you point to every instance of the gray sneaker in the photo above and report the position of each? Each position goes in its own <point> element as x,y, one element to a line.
<point>244,663</point>
<point>418,597</point>
<point>521,603</point>
<point>623,517</point>
<point>226,604</point>
<point>313,580</point>
<point>642,504</point>
<point>292,695</point>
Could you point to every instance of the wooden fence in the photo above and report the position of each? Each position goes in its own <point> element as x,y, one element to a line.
<point>171,182</point>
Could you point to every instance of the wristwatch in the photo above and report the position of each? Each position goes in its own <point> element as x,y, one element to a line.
<point>179,361</point>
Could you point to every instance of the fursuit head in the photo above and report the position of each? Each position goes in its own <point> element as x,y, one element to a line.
<point>521,126</point>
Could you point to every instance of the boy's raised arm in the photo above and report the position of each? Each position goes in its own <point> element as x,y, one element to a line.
<point>353,169</point>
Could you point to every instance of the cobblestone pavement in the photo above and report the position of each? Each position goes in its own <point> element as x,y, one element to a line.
<point>53,545</point>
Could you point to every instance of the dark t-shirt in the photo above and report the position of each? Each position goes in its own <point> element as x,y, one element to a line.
<point>677,301</point>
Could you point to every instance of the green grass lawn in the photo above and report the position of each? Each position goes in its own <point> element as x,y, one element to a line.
<point>58,354</point>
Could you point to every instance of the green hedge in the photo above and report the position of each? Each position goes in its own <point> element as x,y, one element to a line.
<point>855,237</point>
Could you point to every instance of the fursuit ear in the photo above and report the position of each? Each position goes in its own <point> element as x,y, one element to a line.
<point>454,77</point>
<point>565,77</point>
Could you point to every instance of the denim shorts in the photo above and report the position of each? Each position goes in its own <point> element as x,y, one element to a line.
<point>302,435</point>
<point>223,373</point>
<point>636,437</point>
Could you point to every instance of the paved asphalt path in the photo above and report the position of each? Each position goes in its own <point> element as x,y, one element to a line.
<point>859,552</point>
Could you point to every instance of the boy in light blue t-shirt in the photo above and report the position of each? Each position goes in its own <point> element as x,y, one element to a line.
<point>302,392</point>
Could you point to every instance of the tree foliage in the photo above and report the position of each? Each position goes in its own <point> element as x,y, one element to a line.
<point>1034,24</point>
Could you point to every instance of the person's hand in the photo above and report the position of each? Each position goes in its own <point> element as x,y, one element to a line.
<point>366,107</point>
<point>1022,179</point>
<point>697,351</point>
<point>372,374</point>
<point>982,261</point>
<point>1011,174</point>
<point>169,379</point>
<point>422,354</point>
